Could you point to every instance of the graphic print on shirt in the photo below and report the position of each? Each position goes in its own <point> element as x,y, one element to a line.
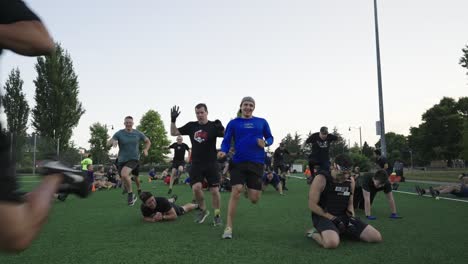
<point>248,125</point>
<point>342,190</point>
<point>322,144</point>
<point>200,136</point>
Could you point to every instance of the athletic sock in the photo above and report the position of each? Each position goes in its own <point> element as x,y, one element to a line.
<point>217,212</point>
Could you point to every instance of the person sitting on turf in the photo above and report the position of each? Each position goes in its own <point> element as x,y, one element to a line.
<point>331,203</point>
<point>460,189</point>
<point>272,178</point>
<point>101,181</point>
<point>367,186</point>
<point>157,209</point>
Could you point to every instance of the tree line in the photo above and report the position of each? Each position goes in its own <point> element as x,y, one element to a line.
<point>442,135</point>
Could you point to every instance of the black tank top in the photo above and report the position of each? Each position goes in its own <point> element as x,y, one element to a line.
<point>335,197</point>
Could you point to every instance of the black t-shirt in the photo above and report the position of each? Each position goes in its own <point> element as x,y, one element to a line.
<point>12,11</point>
<point>381,161</point>
<point>278,156</point>
<point>162,205</point>
<point>203,138</point>
<point>335,197</point>
<point>179,151</point>
<point>320,147</point>
<point>366,183</point>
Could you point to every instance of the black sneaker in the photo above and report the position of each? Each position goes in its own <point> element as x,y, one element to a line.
<point>434,193</point>
<point>132,199</point>
<point>62,197</point>
<point>174,197</point>
<point>419,190</point>
<point>170,191</point>
<point>75,184</point>
<point>53,166</point>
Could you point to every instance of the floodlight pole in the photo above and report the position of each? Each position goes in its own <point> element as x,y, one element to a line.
<point>383,144</point>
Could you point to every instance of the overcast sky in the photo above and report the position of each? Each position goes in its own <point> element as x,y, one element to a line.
<point>307,63</point>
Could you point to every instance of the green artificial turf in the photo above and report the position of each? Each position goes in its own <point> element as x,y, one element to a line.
<point>103,229</point>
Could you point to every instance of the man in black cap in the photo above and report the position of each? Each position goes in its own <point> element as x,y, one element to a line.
<point>158,209</point>
<point>320,155</point>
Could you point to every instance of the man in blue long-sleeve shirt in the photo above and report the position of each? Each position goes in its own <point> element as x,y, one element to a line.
<point>251,135</point>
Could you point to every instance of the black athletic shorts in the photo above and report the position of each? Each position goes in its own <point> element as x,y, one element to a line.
<point>8,184</point>
<point>279,168</point>
<point>132,164</point>
<point>177,163</point>
<point>249,173</point>
<point>178,209</point>
<point>354,227</point>
<point>201,171</point>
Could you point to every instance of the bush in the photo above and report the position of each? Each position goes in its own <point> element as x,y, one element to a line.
<point>360,160</point>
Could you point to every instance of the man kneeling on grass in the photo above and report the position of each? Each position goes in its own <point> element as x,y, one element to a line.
<point>331,203</point>
<point>157,209</point>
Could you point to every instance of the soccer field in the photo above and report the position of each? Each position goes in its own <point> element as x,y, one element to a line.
<point>103,229</point>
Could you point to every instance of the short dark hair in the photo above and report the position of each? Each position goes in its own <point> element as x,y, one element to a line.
<point>128,117</point>
<point>144,196</point>
<point>378,152</point>
<point>344,161</point>
<point>200,105</point>
<point>381,176</point>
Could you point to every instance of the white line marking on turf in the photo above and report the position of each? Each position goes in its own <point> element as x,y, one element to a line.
<point>440,197</point>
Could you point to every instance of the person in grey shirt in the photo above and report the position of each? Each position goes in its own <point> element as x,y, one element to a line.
<point>128,140</point>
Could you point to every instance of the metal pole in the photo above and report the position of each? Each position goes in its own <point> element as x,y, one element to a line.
<point>360,139</point>
<point>34,154</point>
<point>411,157</point>
<point>383,143</point>
<point>58,147</point>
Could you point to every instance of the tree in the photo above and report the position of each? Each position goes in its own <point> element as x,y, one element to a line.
<point>464,58</point>
<point>361,161</point>
<point>307,149</point>
<point>16,110</point>
<point>464,154</point>
<point>98,142</point>
<point>57,109</point>
<point>367,150</point>
<point>397,148</point>
<point>339,146</point>
<point>293,145</point>
<point>152,126</point>
<point>439,136</point>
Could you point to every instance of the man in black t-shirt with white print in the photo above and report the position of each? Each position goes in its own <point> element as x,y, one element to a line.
<point>203,134</point>
<point>320,156</point>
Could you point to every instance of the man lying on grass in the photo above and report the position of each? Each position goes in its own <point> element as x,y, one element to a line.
<point>158,209</point>
<point>458,189</point>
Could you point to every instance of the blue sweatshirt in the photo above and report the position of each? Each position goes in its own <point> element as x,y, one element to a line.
<point>246,132</point>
